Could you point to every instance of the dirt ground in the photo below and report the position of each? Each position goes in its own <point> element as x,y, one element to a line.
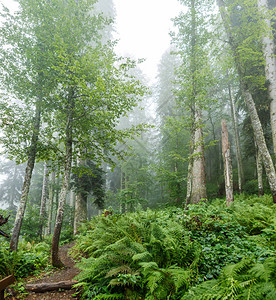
<point>67,273</point>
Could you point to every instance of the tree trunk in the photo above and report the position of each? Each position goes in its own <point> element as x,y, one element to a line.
<point>56,262</point>
<point>50,203</point>
<point>27,178</point>
<point>255,121</point>
<point>259,172</point>
<point>270,66</point>
<point>226,154</point>
<point>50,286</point>
<point>80,210</point>
<point>198,169</point>
<point>12,190</point>
<point>190,168</point>
<point>237,140</point>
<point>42,212</point>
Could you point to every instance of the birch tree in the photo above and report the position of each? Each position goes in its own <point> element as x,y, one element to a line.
<point>270,63</point>
<point>24,78</point>
<point>255,121</point>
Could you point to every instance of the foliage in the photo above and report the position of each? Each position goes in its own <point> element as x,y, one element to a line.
<point>165,253</point>
<point>87,178</point>
<point>29,258</point>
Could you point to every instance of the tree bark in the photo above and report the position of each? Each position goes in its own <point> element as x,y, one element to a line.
<point>259,172</point>
<point>50,203</point>
<point>255,121</point>
<point>190,168</point>
<point>56,262</point>
<point>198,168</point>
<point>237,140</point>
<point>42,212</point>
<point>270,66</point>
<point>80,210</point>
<point>226,154</point>
<point>27,178</point>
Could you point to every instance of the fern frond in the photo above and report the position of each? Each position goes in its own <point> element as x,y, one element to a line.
<point>142,257</point>
<point>119,270</point>
<point>110,297</point>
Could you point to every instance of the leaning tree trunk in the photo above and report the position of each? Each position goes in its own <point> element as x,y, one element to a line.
<point>27,178</point>
<point>198,169</point>
<point>56,262</point>
<point>255,121</point>
<point>270,66</point>
<point>42,212</point>
<point>226,154</point>
<point>237,140</point>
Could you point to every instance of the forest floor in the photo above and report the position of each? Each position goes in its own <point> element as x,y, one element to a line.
<point>65,274</point>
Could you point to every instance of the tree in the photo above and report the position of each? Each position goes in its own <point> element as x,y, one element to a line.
<point>87,178</point>
<point>94,90</point>
<point>195,77</point>
<point>24,75</point>
<point>255,121</point>
<point>270,63</point>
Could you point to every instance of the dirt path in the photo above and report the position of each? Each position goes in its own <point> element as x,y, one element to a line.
<point>67,273</point>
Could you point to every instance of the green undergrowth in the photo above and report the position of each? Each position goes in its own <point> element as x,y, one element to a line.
<point>29,259</point>
<point>205,252</point>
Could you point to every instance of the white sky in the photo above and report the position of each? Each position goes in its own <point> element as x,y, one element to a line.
<point>142,28</point>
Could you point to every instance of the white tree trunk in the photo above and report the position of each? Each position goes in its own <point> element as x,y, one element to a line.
<point>226,154</point>
<point>270,65</point>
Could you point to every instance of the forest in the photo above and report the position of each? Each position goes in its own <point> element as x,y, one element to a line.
<point>112,187</point>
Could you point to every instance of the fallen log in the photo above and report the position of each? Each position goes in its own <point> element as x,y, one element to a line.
<point>50,286</point>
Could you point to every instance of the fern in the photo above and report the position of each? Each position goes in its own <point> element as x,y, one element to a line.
<point>244,280</point>
<point>110,297</point>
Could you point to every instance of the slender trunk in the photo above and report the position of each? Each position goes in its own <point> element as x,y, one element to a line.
<point>12,190</point>
<point>50,204</point>
<point>43,200</point>
<point>123,186</point>
<point>259,167</point>
<point>56,262</point>
<point>237,140</point>
<point>80,205</point>
<point>226,154</point>
<point>255,121</point>
<point>27,178</point>
<point>270,66</point>
<point>198,170</point>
